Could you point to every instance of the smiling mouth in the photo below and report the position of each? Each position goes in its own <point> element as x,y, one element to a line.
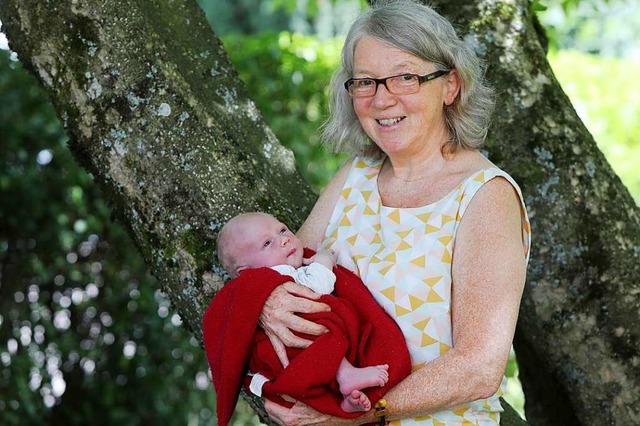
<point>292,252</point>
<point>389,121</point>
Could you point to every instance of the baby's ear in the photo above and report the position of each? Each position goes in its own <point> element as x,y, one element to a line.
<point>239,269</point>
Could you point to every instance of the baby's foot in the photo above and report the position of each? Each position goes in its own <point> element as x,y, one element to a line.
<point>356,401</point>
<point>351,379</point>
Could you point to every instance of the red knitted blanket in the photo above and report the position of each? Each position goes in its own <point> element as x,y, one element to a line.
<point>359,330</point>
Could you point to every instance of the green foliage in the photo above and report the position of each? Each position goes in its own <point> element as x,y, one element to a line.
<point>604,93</point>
<point>287,75</point>
<point>83,328</point>
<point>607,28</point>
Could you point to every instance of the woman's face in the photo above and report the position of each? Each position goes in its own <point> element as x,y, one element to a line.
<point>401,125</point>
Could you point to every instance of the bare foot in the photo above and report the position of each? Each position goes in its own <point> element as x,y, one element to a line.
<point>351,378</point>
<point>356,401</point>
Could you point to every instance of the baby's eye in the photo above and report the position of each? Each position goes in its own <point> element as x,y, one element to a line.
<point>283,230</point>
<point>266,244</point>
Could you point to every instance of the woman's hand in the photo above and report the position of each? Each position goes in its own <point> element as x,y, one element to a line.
<point>301,415</point>
<point>279,319</point>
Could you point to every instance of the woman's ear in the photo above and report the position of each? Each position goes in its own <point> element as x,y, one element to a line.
<point>452,87</point>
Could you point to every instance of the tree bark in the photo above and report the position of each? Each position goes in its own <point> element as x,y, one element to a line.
<point>156,112</point>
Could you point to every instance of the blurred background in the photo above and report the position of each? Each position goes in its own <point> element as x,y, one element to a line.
<point>84,328</point>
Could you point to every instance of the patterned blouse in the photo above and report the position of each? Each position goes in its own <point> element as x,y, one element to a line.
<point>403,255</point>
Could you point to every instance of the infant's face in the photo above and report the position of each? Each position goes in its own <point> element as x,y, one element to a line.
<point>265,241</point>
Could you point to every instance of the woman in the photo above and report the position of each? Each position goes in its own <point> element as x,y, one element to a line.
<point>438,233</point>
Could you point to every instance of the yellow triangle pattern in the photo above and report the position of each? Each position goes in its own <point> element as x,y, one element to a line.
<point>434,297</point>
<point>394,216</point>
<point>446,257</point>
<point>419,261</point>
<point>480,178</point>
<point>424,217</point>
<point>345,193</point>
<point>376,239</point>
<point>432,281</point>
<point>366,195</point>
<point>369,211</point>
<point>345,221</point>
<point>421,325</point>
<point>389,293</point>
<point>427,340</point>
<point>428,229</point>
<point>403,234</point>
<point>352,240</point>
<point>417,366</point>
<point>390,257</point>
<point>384,270</point>
<point>446,239</point>
<point>446,219</point>
<point>461,410</point>
<point>401,311</point>
<point>361,164</point>
<point>415,302</point>
<point>403,246</point>
<point>349,208</point>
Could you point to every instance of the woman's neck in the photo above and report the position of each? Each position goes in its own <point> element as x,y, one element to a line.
<point>417,166</point>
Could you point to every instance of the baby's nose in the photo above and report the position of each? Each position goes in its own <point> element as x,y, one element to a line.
<point>285,240</point>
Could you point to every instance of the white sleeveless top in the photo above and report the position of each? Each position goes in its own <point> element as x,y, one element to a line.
<point>403,255</point>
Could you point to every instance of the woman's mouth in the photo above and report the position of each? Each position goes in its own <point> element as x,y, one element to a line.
<point>386,122</point>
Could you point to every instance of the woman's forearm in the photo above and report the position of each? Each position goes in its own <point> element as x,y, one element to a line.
<point>446,382</point>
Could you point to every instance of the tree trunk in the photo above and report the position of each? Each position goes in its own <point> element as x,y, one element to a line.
<point>156,112</point>
<point>578,333</point>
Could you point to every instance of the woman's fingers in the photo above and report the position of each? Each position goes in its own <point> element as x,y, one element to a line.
<point>275,411</point>
<point>279,318</point>
<point>279,347</point>
<point>298,415</point>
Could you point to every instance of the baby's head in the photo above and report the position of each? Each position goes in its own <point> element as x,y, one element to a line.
<point>253,240</point>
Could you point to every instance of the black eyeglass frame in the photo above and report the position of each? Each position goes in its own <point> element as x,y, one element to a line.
<point>383,81</point>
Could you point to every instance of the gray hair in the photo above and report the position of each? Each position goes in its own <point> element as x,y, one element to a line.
<point>422,32</point>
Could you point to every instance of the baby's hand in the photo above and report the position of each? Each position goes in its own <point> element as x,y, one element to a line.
<point>327,258</point>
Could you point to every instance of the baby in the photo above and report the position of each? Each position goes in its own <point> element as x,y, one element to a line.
<point>254,240</point>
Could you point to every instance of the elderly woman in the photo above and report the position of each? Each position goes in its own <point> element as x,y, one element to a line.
<point>437,232</point>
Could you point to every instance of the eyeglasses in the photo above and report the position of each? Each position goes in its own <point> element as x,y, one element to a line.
<point>403,84</point>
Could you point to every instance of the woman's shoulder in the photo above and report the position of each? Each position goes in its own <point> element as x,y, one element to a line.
<point>485,181</point>
<point>468,162</point>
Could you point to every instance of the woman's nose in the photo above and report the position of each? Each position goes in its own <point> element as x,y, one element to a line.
<point>383,97</point>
